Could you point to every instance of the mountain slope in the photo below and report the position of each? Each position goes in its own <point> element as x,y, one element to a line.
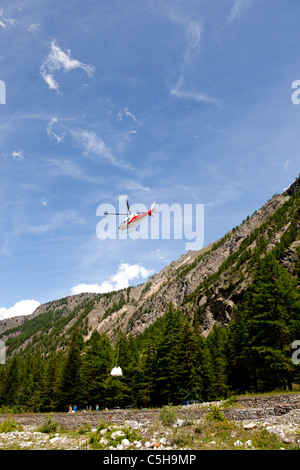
<point>206,284</point>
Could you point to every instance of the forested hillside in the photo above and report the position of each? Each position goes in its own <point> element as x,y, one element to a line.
<point>227,318</point>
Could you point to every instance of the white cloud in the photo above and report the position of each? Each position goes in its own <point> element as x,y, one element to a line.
<point>24,307</point>
<point>57,220</point>
<point>15,155</point>
<point>132,185</point>
<point>33,28</point>
<point>192,28</point>
<point>126,272</point>
<point>125,111</point>
<point>51,133</point>
<point>70,169</point>
<point>180,93</point>
<point>51,82</point>
<point>94,146</point>
<point>237,7</point>
<point>236,10</point>
<point>57,59</point>
<point>193,31</point>
<point>6,21</point>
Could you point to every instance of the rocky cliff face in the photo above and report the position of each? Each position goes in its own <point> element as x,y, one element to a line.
<point>178,282</point>
<point>208,282</point>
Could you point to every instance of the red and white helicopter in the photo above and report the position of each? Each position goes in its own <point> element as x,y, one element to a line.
<point>132,219</point>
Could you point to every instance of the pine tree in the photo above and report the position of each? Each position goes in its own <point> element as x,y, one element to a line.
<point>207,370</point>
<point>273,313</point>
<point>238,359</point>
<point>70,389</point>
<point>50,383</point>
<point>95,369</point>
<point>11,381</point>
<point>216,341</point>
<point>166,359</point>
<point>176,365</point>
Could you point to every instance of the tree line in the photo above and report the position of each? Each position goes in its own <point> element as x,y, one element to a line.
<point>171,361</point>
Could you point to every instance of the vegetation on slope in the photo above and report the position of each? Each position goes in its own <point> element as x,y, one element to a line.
<point>171,361</point>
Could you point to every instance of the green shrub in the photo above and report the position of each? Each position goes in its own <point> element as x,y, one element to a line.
<point>10,425</point>
<point>215,415</point>
<point>49,425</point>
<point>85,428</point>
<point>167,415</point>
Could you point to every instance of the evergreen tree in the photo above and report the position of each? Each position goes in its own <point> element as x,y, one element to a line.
<point>216,341</point>
<point>207,370</point>
<point>11,382</point>
<point>50,383</point>
<point>238,359</point>
<point>70,389</point>
<point>272,310</point>
<point>188,369</point>
<point>166,359</point>
<point>177,370</point>
<point>95,369</point>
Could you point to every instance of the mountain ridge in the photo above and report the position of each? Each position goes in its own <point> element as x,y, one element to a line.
<point>207,285</point>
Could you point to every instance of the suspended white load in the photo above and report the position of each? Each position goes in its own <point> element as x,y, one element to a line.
<point>116,371</point>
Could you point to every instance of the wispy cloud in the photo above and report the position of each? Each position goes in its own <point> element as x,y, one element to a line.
<point>192,28</point>
<point>131,185</point>
<point>33,28</point>
<point>94,147</point>
<point>57,220</point>
<point>51,133</point>
<point>179,92</point>
<point>193,33</point>
<point>15,155</point>
<point>4,22</point>
<point>49,79</point>
<point>68,168</point>
<point>125,112</point>
<point>238,7</point>
<point>56,60</point>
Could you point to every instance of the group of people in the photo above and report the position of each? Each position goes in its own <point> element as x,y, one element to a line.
<point>88,408</point>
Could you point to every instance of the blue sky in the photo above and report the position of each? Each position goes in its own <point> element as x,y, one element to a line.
<point>178,102</point>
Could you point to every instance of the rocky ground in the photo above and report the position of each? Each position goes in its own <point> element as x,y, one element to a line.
<point>179,428</point>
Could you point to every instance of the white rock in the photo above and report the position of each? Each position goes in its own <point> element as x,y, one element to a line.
<point>125,442</point>
<point>248,443</point>
<point>54,439</point>
<point>250,425</point>
<point>147,444</point>
<point>237,443</point>
<point>179,422</point>
<point>117,434</point>
<point>133,424</point>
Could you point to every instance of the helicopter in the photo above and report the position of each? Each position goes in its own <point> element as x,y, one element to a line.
<point>132,219</point>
